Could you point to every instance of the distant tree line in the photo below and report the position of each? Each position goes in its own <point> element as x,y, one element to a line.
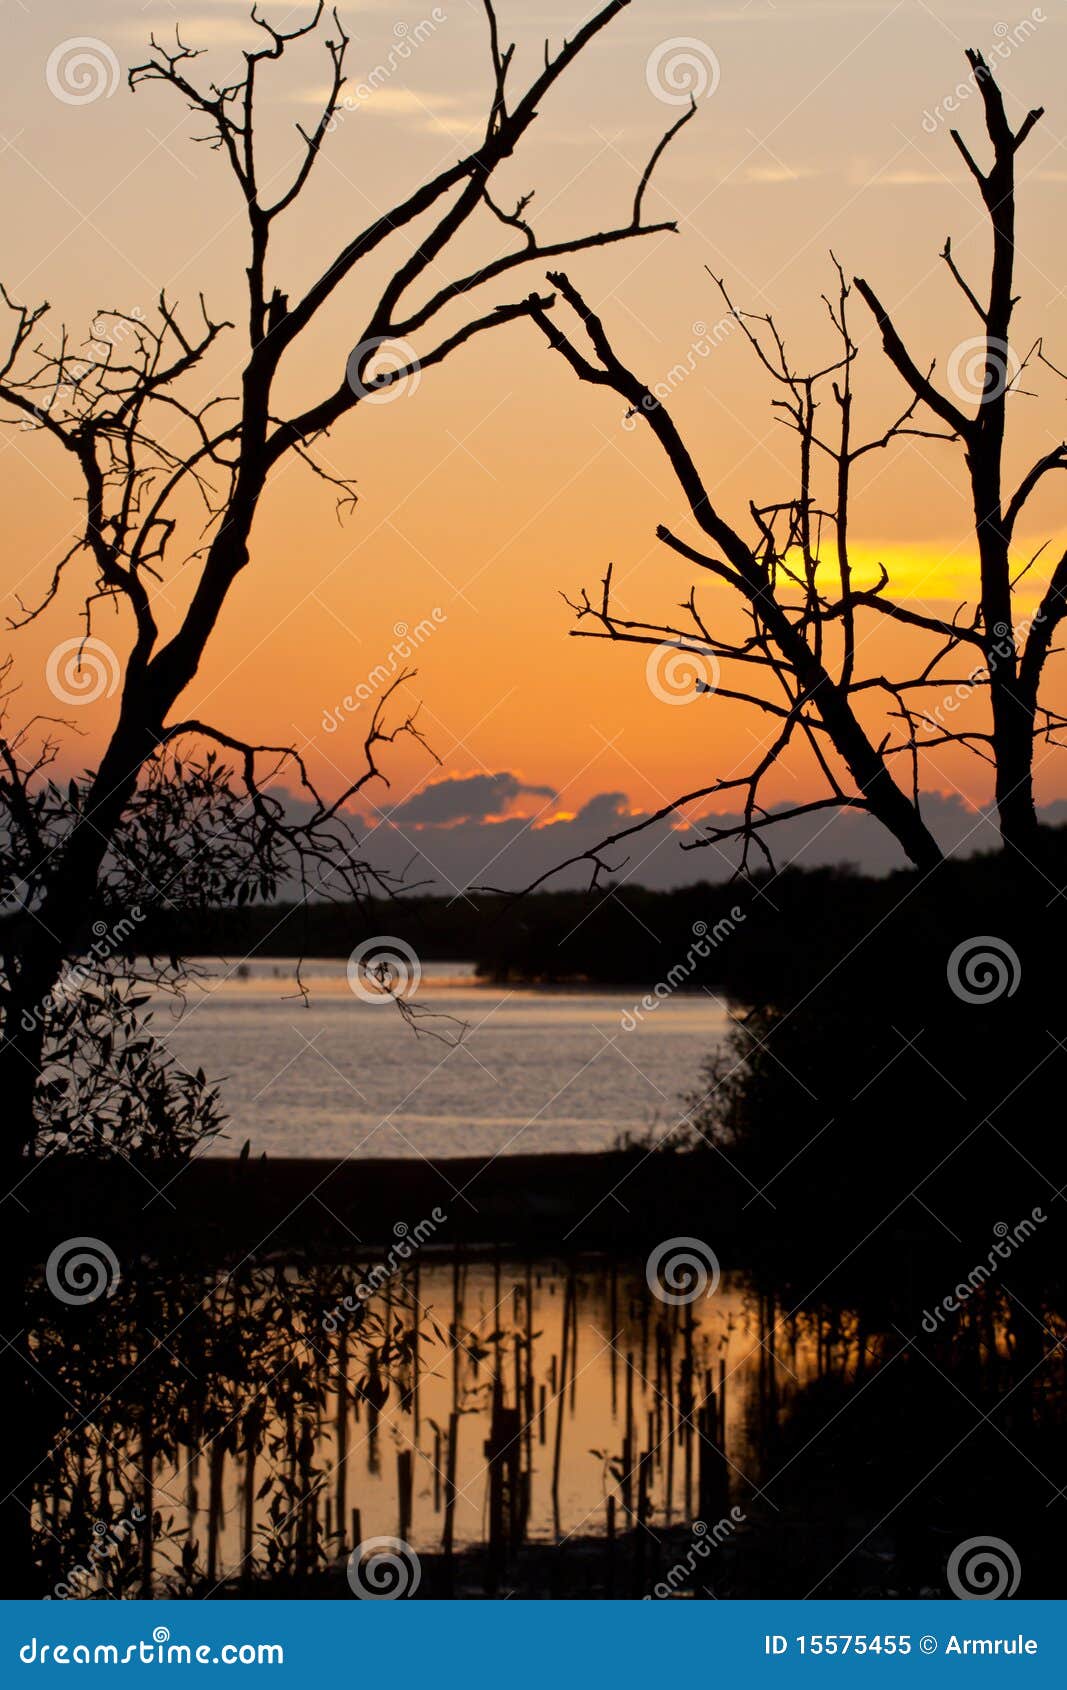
<point>762,941</point>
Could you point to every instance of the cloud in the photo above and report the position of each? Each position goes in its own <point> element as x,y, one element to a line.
<point>452,836</point>
<point>908,179</point>
<point>394,101</point>
<point>463,798</point>
<point>605,809</point>
<point>510,852</point>
<point>771,174</point>
<point>426,112</point>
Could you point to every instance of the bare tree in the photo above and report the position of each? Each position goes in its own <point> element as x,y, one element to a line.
<point>799,662</point>
<point>146,443</point>
<point>1014,672</point>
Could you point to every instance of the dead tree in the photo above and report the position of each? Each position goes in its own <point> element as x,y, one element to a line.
<point>1014,671</point>
<point>178,807</point>
<point>130,416</point>
<point>799,663</point>
<point>779,579</point>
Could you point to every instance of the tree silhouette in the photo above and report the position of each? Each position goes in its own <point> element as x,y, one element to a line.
<point>178,811</point>
<point>118,413</point>
<point>1014,672</point>
<point>798,662</point>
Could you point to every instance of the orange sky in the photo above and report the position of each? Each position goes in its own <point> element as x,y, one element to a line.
<point>501,480</point>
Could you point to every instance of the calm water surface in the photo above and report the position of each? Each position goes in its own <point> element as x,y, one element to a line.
<point>298,1447</point>
<point>620,1372</point>
<point>537,1070</point>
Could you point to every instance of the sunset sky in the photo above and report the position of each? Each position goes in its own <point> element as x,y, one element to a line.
<point>499,480</point>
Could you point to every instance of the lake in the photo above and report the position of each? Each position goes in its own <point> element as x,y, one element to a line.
<point>535,1069</point>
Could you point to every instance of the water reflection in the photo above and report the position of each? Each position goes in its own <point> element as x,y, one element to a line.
<point>467,1402</point>
<point>265,1431</point>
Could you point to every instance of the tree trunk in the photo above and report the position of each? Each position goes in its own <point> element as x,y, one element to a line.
<point>1013,714</point>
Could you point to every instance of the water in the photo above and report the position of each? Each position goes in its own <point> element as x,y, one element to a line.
<point>537,1070</point>
<point>480,1311</point>
<point>265,1432</point>
<point>314,1429</point>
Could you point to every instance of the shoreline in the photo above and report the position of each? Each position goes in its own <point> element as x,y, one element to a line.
<point>569,1203</point>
